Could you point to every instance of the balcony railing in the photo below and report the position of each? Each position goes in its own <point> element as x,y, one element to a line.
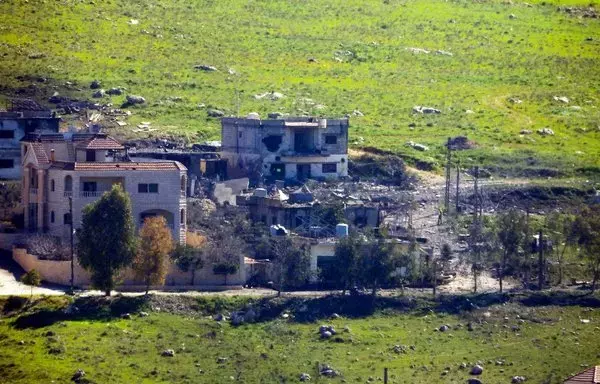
<point>68,194</point>
<point>91,193</point>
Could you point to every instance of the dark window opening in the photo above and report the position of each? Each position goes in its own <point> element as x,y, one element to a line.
<point>278,171</point>
<point>52,186</point>
<point>7,134</point>
<point>90,155</point>
<point>68,183</point>
<point>274,220</point>
<point>67,218</point>
<point>272,142</point>
<point>7,163</point>
<point>142,188</point>
<point>52,216</point>
<point>304,142</point>
<point>330,168</point>
<point>153,188</point>
<point>148,188</point>
<point>182,218</point>
<point>263,218</point>
<point>90,186</point>
<point>330,139</point>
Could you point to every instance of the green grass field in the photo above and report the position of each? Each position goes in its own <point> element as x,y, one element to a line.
<point>549,344</point>
<point>361,62</point>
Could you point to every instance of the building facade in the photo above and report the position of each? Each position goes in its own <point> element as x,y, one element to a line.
<point>14,125</point>
<point>81,167</point>
<point>292,148</point>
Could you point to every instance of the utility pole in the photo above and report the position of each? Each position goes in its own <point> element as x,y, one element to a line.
<point>72,245</point>
<point>476,193</point>
<point>457,185</point>
<point>448,167</point>
<point>541,261</point>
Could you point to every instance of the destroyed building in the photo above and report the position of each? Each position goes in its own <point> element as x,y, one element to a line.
<point>199,164</point>
<point>299,211</point>
<point>295,148</point>
<point>20,118</point>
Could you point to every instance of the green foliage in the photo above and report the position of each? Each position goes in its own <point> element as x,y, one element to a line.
<point>188,259</point>
<point>32,278</point>
<point>378,260</point>
<point>587,228</point>
<point>106,240</point>
<point>225,268</point>
<point>361,61</point>
<point>344,272</point>
<point>291,263</point>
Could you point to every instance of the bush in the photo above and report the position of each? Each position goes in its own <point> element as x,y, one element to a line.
<point>14,303</point>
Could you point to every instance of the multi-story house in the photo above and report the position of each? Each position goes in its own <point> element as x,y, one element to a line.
<point>292,148</point>
<point>22,118</point>
<point>79,168</point>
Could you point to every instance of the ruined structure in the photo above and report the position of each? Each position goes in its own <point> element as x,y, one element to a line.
<point>21,117</point>
<point>292,148</point>
<point>81,167</point>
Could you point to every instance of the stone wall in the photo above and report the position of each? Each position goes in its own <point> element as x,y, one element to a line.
<point>59,272</point>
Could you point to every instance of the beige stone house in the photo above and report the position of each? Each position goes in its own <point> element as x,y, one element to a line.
<point>81,167</point>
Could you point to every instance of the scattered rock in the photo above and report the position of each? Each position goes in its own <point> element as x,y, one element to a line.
<point>562,99</point>
<point>222,360</point>
<point>95,84</point>
<point>444,328</point>
<point>326,370</point>
<point>215,113</point>
<point>585,321</point>
<point>474,381</point>
<point>126,316</point>
<point>399,349</point>
<point>417,50</point>
<point>461,143</point>
<point>78,375</point>
<point>204,67</point>
<point>133,22</point>
<point>304,377</point>
<point>55,98</point>
<point>425,110</point>
<point>37,55</point>
<point>326,335</point>
<point>545,132</point>
<point>134,99</point>
<point>417,146</point>
<point>444,53</point>
<point>218,317</point>
<point>144,314</point>
<point>526,132</point>
<point>334,316</point>
<point>357,113</point>
<point>273,96</point>
<point>114,91</point>
<point>476,370</point>
<point>99,94</point>
<point>518,379</point>
<point>231,71</point>
<point>512,16</point>
<point>168,353</point>
<point>253,116</point>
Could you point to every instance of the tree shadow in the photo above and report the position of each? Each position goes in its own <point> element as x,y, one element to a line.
<point>83,308</point>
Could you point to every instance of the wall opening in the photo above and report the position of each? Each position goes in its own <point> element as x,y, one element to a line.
<point>272,142</point>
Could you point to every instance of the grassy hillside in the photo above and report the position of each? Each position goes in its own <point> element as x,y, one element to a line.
<point>360,59</point>
<point>544,343</point>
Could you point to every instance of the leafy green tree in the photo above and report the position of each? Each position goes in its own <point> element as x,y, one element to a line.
<point>291,263</point>
<point>225,269</point>
<point>33,279</point>
<point>106,241</point>
<point>189,259</point>
<point>377,263</point>
<point>151,263</point>
<point>511,227</point>
<point>344,271</point>
<point>587,229</point>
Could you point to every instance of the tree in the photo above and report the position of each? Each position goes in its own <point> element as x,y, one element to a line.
<point>511,231</point>
<point>587,229</point>
<point>33,279</point>
<point>47,247</point>
<point>343,272</point>
<point>151,262</point>
<point>225,269</point>
<point>377,262</point>
<point>560,231</point>
<point>291,263</point>
<point>106,239</point>
<point>188,259</point>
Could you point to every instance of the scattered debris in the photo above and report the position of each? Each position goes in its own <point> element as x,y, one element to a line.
<point>476,370</point>
<point>562,99</point>
<point>206,68</point>
<point>134,99</point>
<point>515,100</point>
<point>78,375</point>
<point>99,94</point>
<point>357,113</point>
<point>133,22</point>
<point>168,353</point>
<point>273,96</point>
<point>425,110</point>
<point>95,84</point>
<point>518,379</point>
<point>444,53</point>
<point>417,146</point>
<point>115,91</point>
<point>545,132</point>
<point>215,113</point>
<point>417,50</point>
<point>328,371</point>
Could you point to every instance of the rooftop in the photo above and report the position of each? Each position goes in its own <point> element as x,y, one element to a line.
<point>589,376</point>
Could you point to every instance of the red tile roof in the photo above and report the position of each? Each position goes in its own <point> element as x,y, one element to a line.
<point>146,166</point>
<point>40,153</point>
<point>101,143</point>
<point>589,376</point>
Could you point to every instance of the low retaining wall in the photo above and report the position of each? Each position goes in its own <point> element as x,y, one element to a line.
<point>59,272</point>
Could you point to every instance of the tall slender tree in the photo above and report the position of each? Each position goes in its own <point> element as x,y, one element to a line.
<point>344,272</point>
<point>511,227</point>
<point>587,228</point>
<point>151,263</point>
<point>106,239</point>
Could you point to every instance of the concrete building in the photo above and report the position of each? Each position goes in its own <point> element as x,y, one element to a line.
<point>20,119</point>
<point>292,148</point>
<point>82,167</point>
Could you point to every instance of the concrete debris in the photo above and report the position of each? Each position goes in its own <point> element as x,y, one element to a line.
<point>562,99</point>
<point>135,99</point>
<point>417,50</point>
<point>417,146</point>
<point>273,96</point>
<point>425,110</point>
<point>545,132</point>
<point>206,68</point>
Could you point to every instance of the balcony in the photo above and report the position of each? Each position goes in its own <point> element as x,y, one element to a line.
<point>91,194</point>
<point>68,194</point>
